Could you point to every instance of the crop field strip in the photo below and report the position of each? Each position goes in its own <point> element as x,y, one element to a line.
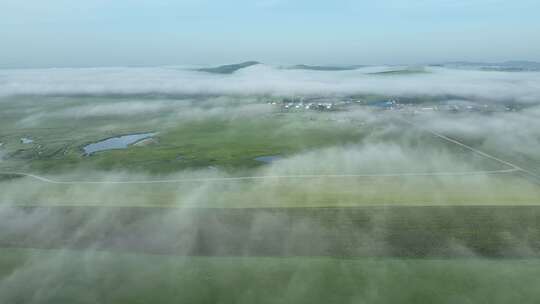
<point>397,231</point>
<point>420,231</point>
<point>243,178</point>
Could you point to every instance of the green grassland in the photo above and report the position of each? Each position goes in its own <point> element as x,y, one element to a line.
<point>95,277</point>
<point>501,232</point>
<point>227,141</point>
<point>201,140</point>
<point>505,189</point>
<point>196,141</point>
<point>180,144</point>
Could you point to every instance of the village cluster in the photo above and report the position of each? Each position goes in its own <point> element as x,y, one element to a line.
<point>322,104</point>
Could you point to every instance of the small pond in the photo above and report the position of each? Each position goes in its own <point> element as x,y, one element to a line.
<point>268,159</point>
<point>113,143</point>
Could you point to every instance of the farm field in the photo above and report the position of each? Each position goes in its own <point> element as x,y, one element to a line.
<point>100,277</point>
<point>243,198</point>
<point>269,151</point>
<point>318,159</point>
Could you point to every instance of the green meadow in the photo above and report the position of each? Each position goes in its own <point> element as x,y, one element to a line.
<point>100,277</point>
<point>205,157</point>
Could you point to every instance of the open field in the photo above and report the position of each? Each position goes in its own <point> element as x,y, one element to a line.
<point>98,277</point>
<point>205,150</point>
<point>282,192</point>
<point>197,134</point>
<point>269,151</point>
<point>265,198</point>
<point>451,231</point>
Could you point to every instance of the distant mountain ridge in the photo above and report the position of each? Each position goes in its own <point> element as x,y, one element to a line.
<point>323,67</point>
<point>513,65</point>
<point>229,68</point>
<point>509,66</point>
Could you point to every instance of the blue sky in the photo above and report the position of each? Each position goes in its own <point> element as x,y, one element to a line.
<point>45,33</point>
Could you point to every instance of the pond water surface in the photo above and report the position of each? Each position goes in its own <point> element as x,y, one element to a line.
<point>26,140</point>
<point>113,143</point>
<point>268,159</point>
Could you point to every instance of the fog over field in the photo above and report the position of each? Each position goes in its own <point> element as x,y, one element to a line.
<point>269,151</point>
<point>120,96</point>
<point>362,193</point>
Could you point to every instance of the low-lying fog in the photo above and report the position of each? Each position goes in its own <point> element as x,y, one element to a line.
<point>264,79</point>
<point>311,178</point>
<point>389,149</point>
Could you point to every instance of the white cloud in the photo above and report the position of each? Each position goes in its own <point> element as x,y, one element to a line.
<point>263,79</point>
